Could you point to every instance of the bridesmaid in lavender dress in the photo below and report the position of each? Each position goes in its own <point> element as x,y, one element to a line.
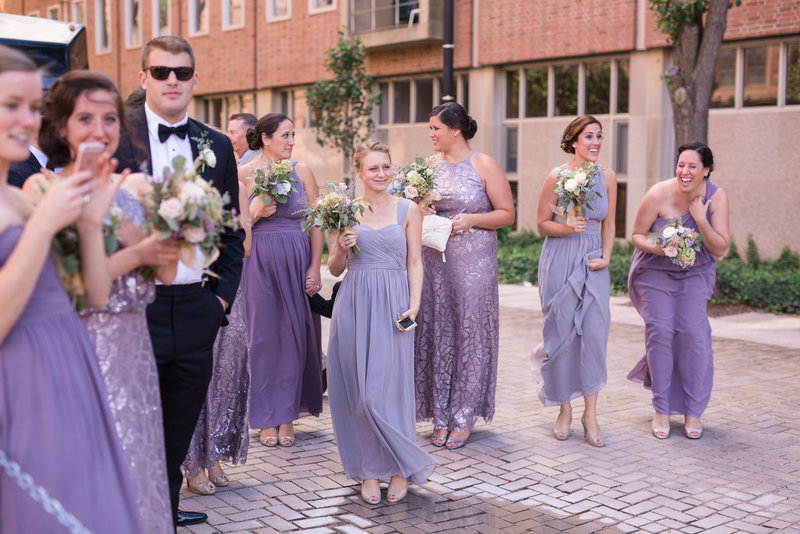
<point>459,330</point>
<point>678,364</point>
<point>118,330</point>
<point>49,377</point>
<point>574,286</point>
<point>370,357</point>
<point>283,335</point>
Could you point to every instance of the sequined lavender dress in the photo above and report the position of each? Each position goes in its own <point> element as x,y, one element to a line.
<point>371,363</point>
<point>571,360</point>
<point>122,341</point>
<point>221,431</point>
<point>458,335</point>
<point>54,418</point>
<point>283,335</point>
<point>679,361</point>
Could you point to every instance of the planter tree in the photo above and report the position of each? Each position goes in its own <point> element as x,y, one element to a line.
<point>695,28</point>
<point>342,107</point>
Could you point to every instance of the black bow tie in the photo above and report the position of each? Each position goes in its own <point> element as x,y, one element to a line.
<point>165,131</point>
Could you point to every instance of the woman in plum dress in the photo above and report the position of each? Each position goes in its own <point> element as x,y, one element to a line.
<point>48,369</point>
<point>370,357</point>
<point>679,362</point>
<point>84,106</point>
<point>575,287</point>
<point>283,335</point>
<point>459,318</point>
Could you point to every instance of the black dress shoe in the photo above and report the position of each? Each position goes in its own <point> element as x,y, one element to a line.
<point>190,518</point>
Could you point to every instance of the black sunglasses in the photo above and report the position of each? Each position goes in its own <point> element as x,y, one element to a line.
<point>162,73</point>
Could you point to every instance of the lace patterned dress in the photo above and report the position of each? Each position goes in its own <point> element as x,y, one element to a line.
<point>221,431</point>
<point>125,355</point>
<point>458,335</point>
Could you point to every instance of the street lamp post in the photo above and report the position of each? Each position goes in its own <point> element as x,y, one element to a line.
<point>448,80</point>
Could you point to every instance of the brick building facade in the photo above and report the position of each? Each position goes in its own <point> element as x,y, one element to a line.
<point>524,68</point>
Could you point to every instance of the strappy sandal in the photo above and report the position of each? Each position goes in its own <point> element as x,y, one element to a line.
<point>220,479</point>
<point>659,433</point>
<point>453,443</point>
<point>439,440</point>
<point>286,441</point>
<point>202,488</point>
<point>269,441</point>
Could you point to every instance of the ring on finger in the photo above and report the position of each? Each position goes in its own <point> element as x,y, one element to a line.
<point>87,199</point>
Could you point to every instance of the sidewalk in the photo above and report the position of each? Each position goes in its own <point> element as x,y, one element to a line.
<point>514,477</point>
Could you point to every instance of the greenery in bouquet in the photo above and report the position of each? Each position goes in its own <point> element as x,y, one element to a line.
<point>185,207</point>
<point>574,188</point>
<point>680,243</point>
<point>334,210</point>
<point>415,181</point>
<point>274,181</point>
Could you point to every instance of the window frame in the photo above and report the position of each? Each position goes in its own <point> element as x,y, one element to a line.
<point>317,10</point>
<point>156,5</point>
<point>128,25</point>
<point>72,14</point>
<point>97,25</point>
<point>226,14</point>
<point>278,18</point>
<point>55,8</point>
<point>193,18</point>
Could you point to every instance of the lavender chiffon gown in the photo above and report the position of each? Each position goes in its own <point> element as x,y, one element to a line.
<point>125,353</point>
<point>371,363</point>
<point>283,335</point>
<point>221,431</point>
<point>54,418</point>
<point>571,360</point>
<point>459,329</point>
<point>679,362</point>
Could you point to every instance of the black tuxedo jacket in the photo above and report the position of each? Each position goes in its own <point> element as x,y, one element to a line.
<point>134,150</point>
<point>19,171</point>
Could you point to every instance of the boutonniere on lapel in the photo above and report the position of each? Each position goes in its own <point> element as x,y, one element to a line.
<point>205,155</point>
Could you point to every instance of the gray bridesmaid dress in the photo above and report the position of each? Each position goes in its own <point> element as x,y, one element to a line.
<point>571,360</point>
<point>371,363</point>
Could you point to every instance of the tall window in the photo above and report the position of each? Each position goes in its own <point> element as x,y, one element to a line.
<point>161,17</point>
<point>133,26</point>
<point>402,102</point>
<point>536,92</point>
<point>53,12</point>
<point>597,89</point>
<point>793,73</point>
<point>198,16</point>
<point>723,93</point>
<point>279,10</point>
<point>512,94</point>
<point>232,13</point>
<point>383,107</point>
<point>321,6</point>
<point>511,141</point>
<point>566,77</point>
<point>79,12</point>
<point>761,76</point>
<point>102,20</point>
<point>424,99</point>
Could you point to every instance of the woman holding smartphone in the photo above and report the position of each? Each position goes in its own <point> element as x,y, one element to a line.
<point>371,349</point>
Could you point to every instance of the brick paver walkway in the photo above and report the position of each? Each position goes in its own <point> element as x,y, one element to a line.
<point>514,477</point>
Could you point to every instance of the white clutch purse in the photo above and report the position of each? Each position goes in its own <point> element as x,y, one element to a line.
<point>436,231</point>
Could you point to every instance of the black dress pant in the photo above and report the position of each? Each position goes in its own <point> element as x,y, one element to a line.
<point>183,323</point>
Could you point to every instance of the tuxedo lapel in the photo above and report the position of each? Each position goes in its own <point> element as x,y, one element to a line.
<point>195,132</point>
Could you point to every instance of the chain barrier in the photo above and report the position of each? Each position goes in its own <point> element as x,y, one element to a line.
<point>39,494</point>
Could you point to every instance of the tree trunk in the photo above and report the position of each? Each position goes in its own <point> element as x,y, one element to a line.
<point>691,77</point>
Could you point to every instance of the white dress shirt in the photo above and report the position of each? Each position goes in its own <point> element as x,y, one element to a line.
<point>161,155</point>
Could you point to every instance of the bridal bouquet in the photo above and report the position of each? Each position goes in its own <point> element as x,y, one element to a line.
<point>186,207</point>
<point>274,182</point>
<point>574,188</point>
<point>680,244</point>
<point>334,210</point>
<point>415,182</point>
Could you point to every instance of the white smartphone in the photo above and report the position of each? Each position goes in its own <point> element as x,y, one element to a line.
<point>407,323</point>
<point>88,158</point>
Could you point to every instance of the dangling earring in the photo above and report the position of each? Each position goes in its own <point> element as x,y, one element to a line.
<point>455,134</point>
<point>573,145</point>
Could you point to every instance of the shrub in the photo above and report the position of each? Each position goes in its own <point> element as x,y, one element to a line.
<point>752,252</point>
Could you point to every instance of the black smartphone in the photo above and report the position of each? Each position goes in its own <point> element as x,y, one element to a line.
<point>407,323</point>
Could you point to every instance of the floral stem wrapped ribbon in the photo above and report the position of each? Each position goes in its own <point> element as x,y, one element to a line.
<point>680,244</point>
<point>186,207</point>
<point>274,182</point>
<point>334,211</point>
<point>574,188</point>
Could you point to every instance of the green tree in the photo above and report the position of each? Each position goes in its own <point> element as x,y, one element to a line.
<point>342,107</point>
<point>695,28</point>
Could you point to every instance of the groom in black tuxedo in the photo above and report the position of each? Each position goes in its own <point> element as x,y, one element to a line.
<point>186,315</point>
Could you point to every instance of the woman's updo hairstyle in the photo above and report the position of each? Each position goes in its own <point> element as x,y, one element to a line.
<point>265,125</point>
<point>574,129</point>
<point>60,104</point>
<point>706,157</point>
<point>454,116</point>
<point>370,145</point>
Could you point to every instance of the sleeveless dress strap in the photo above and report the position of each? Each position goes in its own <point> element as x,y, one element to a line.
<point>711,188</point>
<point>402,210</point>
